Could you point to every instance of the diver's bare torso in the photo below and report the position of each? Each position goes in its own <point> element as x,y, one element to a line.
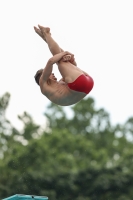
<point>59,93</point>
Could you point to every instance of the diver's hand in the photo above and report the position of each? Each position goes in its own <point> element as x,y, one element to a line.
<point>56,58</point>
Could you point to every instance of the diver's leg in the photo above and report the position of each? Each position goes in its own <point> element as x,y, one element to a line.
<point>44,33</point>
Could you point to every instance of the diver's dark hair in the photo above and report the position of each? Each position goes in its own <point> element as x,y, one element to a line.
<point>38,75</point>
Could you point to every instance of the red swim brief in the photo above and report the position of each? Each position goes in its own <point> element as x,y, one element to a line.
<point>83,83</point>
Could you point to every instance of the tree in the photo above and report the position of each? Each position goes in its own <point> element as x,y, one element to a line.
<point>5,126</point>
<point>82,158</point>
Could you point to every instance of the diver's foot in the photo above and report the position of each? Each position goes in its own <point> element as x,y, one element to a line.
<point>42,31</point>
<point>45,31</point>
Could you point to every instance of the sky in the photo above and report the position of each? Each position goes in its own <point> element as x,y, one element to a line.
<point>98,33</point>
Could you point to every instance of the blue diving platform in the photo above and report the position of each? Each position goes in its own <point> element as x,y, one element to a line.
<point>26,197</point>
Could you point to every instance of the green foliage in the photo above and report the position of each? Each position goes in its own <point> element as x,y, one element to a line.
<point>82,158</point>
<point>5,126</point>
<point>30,128</point>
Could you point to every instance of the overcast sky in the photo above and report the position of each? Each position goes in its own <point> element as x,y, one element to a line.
<point>98,32</point>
